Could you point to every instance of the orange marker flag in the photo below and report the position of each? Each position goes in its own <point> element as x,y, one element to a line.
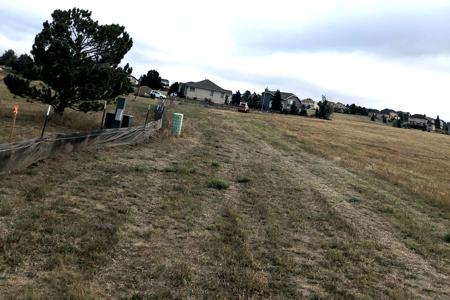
<point>14,116</point>
<point>15,110</point>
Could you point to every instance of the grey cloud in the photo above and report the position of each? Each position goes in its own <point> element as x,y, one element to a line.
<point>15,25</point>
<point>399,33</point>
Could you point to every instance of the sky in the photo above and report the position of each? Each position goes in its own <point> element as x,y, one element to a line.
<point>375,53</point>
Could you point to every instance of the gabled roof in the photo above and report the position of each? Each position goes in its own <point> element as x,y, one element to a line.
<point>308,100</point>
<point>284,95</point>
<point>418,116</point>
<point>388,111</point>
<point>207,85</point>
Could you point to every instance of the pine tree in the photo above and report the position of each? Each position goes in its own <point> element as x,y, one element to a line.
<point>78,61</point>
<point>437,123</point>
<point>276,101</point>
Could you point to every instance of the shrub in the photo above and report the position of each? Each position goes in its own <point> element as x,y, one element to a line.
<point>325,110</point>
<point>447,238</point>
<point>218,184</point>
<point>243,179</point>
<point>397,123</point>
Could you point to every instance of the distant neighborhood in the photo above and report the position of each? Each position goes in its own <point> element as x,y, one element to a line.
<point>211,93</point>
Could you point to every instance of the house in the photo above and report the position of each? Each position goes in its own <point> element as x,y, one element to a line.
<point>418,121</point>
<point>310,104</point>
<point>142,91</point>
<point>205,90</point>
<point>389,114</point>
<point>133,80</point>
<point>164,84</point>
<point>431,124</point>
<point>339,107</point>
<point>287,99</point>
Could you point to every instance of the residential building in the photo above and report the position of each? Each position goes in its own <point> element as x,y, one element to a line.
<point>431,124</point>
<point>310,104</point>
<point>133,80</point>
<point>164,84</point>
<point>418,121</point>
<point>205,90</point>
<point>339,107</point>
<point>287,99</point>
<point>142,91</point>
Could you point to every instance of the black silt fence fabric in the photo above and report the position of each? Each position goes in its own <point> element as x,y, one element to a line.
<point>20,155</point>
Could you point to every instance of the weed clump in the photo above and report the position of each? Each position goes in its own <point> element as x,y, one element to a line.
<point>447,238</point>
<point>218,184</point>
<point>243,179</point>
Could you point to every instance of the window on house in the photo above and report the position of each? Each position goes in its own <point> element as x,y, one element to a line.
<point>212,93</point>
<point>222,95</point>
<point>192,89</point>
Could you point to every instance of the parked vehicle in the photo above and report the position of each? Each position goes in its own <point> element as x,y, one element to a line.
<point>157,94</point>
<point>243,107</point>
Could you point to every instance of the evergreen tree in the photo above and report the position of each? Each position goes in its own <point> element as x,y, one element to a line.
<point>78,61</point>
<point>276,101</point>
<point>25,66</point>
<point>173,88</point>
<point>325,110</point>
<point>437,123</point>
<point>236,98</point>
<point>294,109</point>
<point>152,80</point>
<point>246,96</point>
<point>8,58</point>
<point>384,119</point>
<point>372,118</point>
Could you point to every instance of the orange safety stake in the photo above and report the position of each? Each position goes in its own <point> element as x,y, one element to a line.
<point>15,112</point>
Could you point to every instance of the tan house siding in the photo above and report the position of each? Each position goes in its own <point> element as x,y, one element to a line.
<point>201,94</point>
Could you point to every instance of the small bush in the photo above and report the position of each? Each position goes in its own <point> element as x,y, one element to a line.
<point>218,184</point>
<point>447,238</point>
<point>243,179</point>
<point>215,164</point>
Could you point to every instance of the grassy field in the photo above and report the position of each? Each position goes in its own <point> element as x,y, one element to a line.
<point>240,206</point>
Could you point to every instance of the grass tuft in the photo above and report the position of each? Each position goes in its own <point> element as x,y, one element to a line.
<point>447,238</point>
<point>218,184</point>
<point>243,179</point>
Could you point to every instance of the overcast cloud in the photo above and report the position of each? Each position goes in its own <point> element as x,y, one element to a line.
<point>378,54</point>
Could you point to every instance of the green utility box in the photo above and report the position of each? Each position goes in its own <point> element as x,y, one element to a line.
<point>177,124</point>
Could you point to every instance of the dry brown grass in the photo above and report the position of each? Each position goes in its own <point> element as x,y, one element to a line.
<point>313,209</point>
<point>32,115</point>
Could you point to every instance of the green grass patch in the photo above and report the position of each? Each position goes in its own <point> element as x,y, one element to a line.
<point>447,238</point>
<point>218,184</point>
<point>243,179</point>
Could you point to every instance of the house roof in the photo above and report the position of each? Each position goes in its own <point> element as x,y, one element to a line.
<point>388,111</point>
<point>284,95</point>
<point>207,85</point>
<point>308,100</point>
<point>418,116</point>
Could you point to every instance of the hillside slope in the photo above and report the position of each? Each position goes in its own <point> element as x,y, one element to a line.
<point>314,208</point>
